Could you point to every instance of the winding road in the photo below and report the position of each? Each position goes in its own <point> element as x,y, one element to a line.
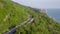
<point>13,30</point>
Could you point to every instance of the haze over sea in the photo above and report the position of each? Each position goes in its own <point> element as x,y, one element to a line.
<point>54,13</point>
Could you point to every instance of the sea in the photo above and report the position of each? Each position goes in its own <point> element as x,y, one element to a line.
<point>54,13</point>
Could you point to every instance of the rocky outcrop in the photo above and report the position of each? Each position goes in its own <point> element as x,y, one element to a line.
<point>43,10</point>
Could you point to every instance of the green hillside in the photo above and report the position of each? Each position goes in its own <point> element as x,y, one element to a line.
<point>11,14</point>
<point>42,24</point>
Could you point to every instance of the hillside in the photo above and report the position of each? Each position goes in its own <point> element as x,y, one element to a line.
<point>11,14</point>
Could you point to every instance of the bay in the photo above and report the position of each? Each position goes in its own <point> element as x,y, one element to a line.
<point>54,13</point>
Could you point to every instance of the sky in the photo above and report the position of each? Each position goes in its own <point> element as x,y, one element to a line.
<point>40,3</point>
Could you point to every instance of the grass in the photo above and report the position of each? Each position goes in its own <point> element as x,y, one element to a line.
<point>42,24</point>
<point>12,13</point>
<point>15,15</point>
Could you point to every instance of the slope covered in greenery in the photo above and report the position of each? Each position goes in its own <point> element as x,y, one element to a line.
<point>42,24</point>
<point>12,13</point>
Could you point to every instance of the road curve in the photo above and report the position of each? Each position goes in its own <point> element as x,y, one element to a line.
<point>13,30</point>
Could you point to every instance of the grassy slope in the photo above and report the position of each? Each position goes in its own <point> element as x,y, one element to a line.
<point>11,14</point>
<point>42,24</point>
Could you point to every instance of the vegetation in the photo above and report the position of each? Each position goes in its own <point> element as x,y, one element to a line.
<point>11,14</point>
<point>42,24</point>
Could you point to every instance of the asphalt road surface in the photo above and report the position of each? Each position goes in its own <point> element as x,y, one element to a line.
<point>13,30</point>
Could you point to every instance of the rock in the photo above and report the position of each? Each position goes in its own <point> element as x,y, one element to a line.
<point>43,10</point>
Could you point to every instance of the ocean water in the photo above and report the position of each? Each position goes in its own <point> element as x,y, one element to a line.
<point>54,13</point>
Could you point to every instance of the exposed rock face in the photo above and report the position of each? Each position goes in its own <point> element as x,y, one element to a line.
<point>43,10</point>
